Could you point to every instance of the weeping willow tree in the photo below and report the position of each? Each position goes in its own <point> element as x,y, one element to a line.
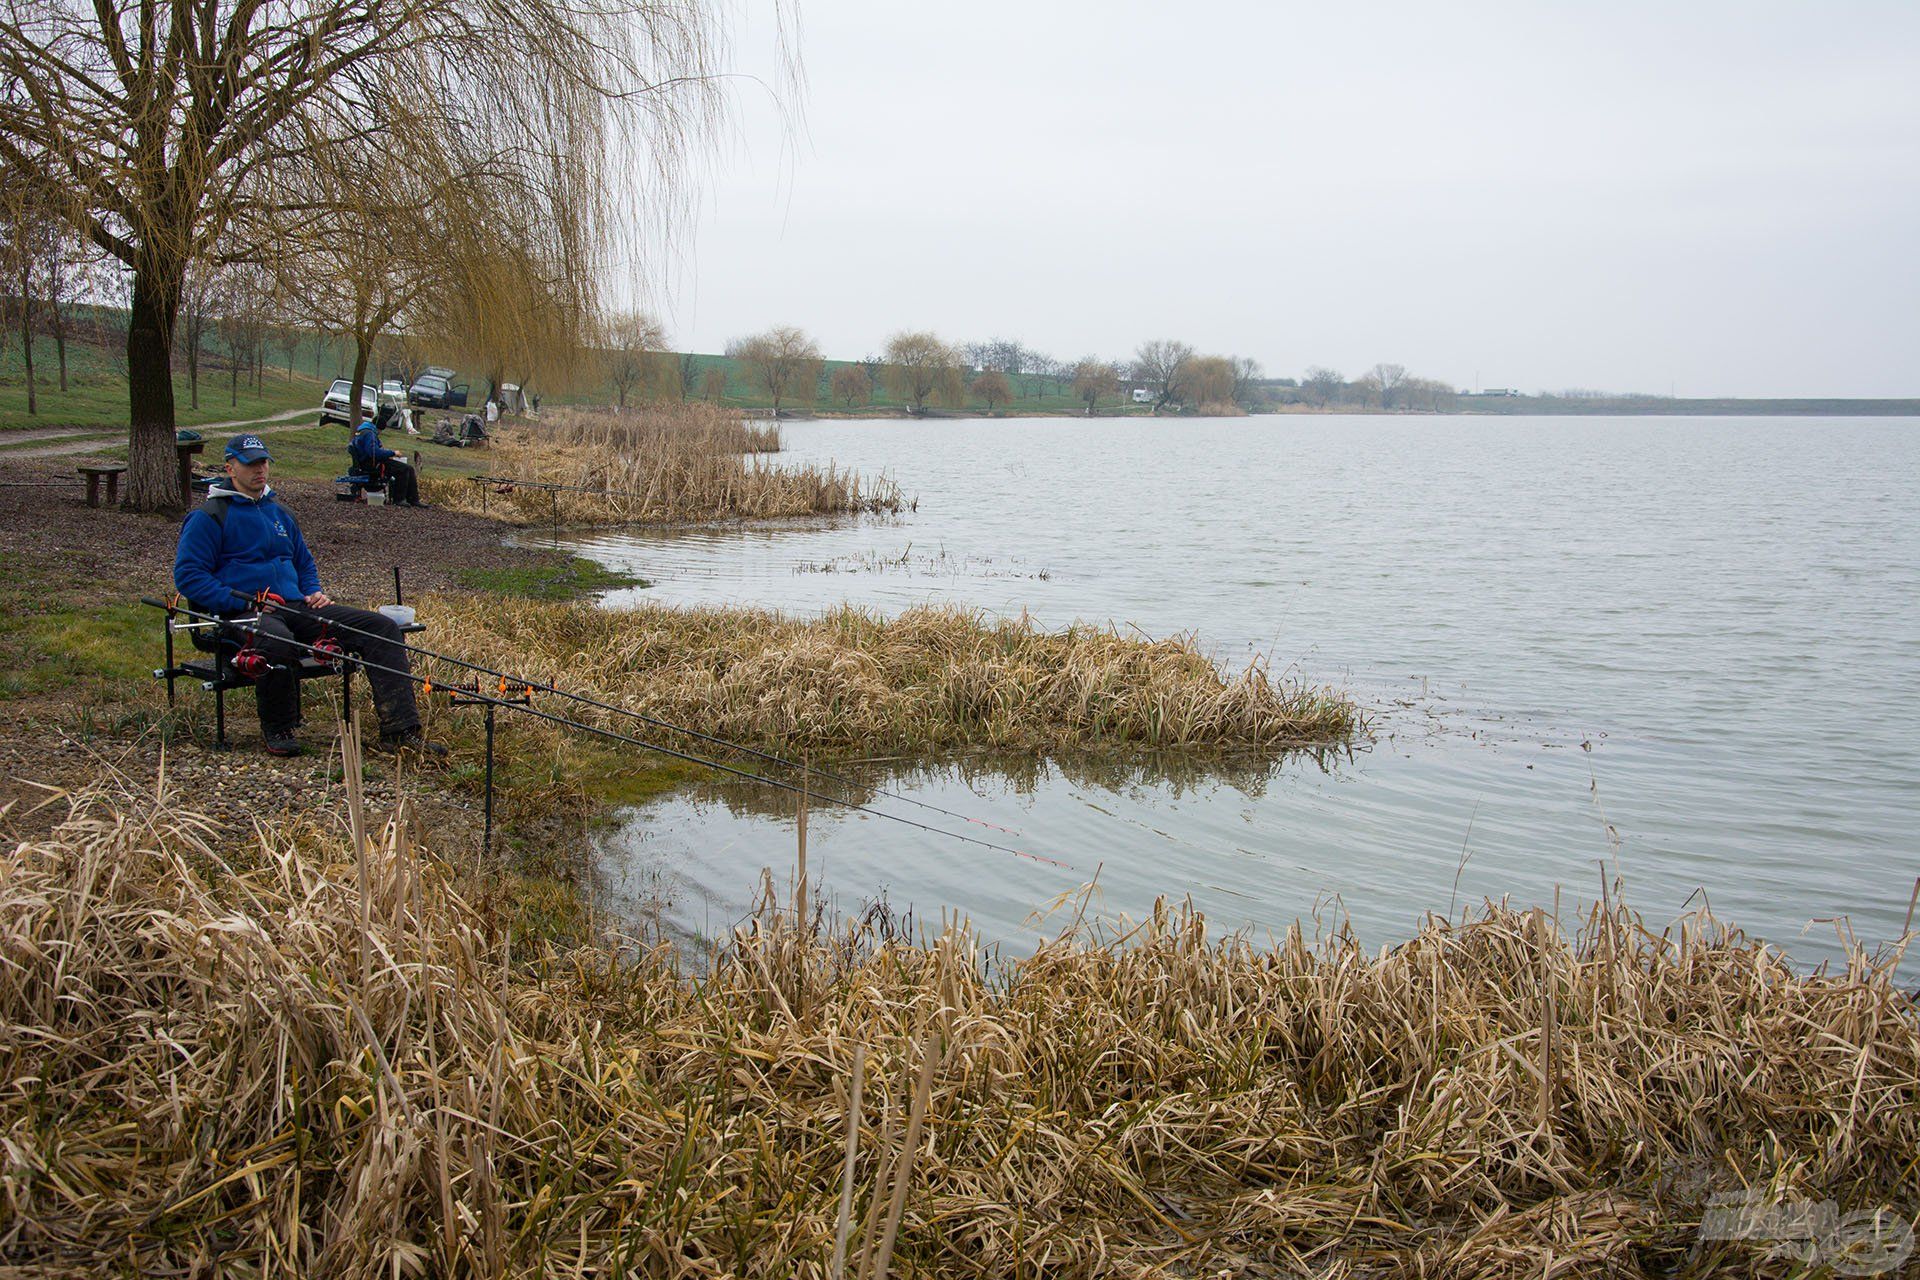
<point>197,130</point>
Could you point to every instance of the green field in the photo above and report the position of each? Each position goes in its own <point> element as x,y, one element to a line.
<point>96,395</point>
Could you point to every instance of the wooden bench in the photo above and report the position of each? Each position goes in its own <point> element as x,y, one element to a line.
<point>184,450</point>
<point>111,472</point>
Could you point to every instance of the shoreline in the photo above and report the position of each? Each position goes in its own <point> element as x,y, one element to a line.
<point>395,1051</point>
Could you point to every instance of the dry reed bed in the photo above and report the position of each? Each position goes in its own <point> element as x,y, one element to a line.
<point>322,1064</point>
<point>666,464</point>
<point>930,678</point>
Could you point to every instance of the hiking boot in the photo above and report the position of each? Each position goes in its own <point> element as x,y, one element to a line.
<point>283,744</point>
<point>412,740</point>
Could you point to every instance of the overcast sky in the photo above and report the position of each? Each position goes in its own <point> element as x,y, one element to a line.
<point>1712,198</point>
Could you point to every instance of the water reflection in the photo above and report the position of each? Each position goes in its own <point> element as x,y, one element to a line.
<point>689,864</point>
<point>1022,775</point>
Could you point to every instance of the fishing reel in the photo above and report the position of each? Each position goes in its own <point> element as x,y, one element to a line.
<point>327,649</point>
<point>250,663</point>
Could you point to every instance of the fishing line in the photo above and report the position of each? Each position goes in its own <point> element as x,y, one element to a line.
<point>642,717</point>
<point>251,626</point>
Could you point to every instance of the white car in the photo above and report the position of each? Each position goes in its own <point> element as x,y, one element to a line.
<point>333,408</point>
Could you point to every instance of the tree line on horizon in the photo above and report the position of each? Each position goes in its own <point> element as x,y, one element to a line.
<point>921,371</point>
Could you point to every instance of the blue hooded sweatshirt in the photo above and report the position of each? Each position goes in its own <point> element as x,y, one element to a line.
<point>366,450</point>
<point>257,548</point>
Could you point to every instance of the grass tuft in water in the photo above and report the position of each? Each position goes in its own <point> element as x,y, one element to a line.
<point>665,464</point>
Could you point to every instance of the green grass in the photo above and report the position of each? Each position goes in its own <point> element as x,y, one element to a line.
<point>96,397</point>
<point>577,577</point>
<point>48,643</point>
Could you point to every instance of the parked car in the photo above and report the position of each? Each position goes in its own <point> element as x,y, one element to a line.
<point>437,391</point>
<point>333,407</point>
<point>393,391</point>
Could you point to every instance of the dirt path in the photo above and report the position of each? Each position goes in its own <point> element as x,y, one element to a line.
<point>58,442</point>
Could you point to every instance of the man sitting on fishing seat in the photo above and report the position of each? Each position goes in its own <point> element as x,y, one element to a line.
<point>242,546</point>
<point>382,465</point>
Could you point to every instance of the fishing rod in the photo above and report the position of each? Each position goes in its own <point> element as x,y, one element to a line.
<point>642,717</point>
<point>327,653</point>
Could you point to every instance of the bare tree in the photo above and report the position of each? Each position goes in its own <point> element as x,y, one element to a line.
<point>851,385</point>
<point>783,360</point>
<point>993,387</point>
<point>714,385</point>
<point>1163,365</point>
<point>628,339</point>
<point>1093,381</point>
<point>199,300</point>
<point>1428,394</point>
<point>175,133</point>
<point>240,297</point>
<point>67,272</point>
<point>27,228</point>
<point>919,365</point>
<point>1322,384</point>
<point>1383,382</point>
<point>1246,372</point>
<point>1039,371</point>
<point>876,370</point>
<point>689,371</point>
<point>287,336</point>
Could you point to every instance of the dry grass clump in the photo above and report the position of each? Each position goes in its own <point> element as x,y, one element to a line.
<point>930,678</point>
<point>322,1065</point>
<point>666,464</point>
<point>708,426</point>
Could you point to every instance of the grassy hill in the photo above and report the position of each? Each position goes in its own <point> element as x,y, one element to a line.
<point>96,395</point>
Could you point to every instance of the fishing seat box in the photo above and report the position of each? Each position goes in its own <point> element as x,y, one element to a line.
<point>353,486</point>
<point>216,672</point>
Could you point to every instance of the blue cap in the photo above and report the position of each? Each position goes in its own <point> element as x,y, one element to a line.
<point>247,448</point>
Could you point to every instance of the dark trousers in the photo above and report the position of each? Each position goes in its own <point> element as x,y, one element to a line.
<point>278,692</point>
<point>403,482</point>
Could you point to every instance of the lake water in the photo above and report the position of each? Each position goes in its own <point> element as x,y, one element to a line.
<point>1686,651</point>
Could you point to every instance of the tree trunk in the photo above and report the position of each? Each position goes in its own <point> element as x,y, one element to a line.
<point>233,381</point>
<point>60,342</point>
<point>362,355</point>
<point>153,476</point>
<point>26,342</point>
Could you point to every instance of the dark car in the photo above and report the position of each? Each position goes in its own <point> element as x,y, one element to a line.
<point>437,391</point>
